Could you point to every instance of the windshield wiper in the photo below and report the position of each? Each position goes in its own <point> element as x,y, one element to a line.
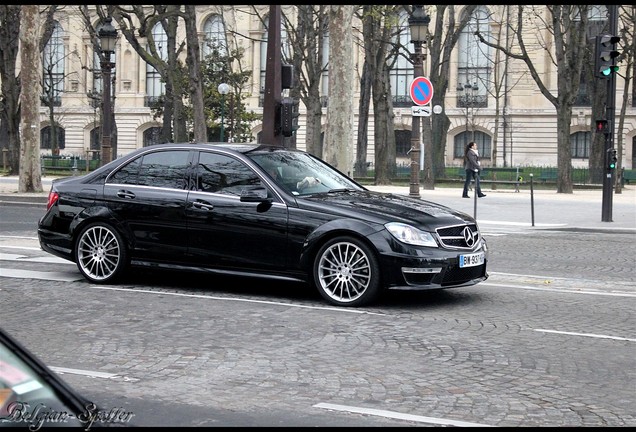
<point>341,190</point>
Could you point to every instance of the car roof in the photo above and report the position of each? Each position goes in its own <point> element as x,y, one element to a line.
<point>238,147</point>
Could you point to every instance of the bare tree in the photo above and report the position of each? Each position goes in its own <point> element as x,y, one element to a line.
<point>308,37</point>
<point>379,24</point>
<point>10,86</point>
<point>30,178</point>
<point>53,60</point>
<point>568,25</point>
<point>140,20</point>
<point>340,115</point>
<point>440,47</point>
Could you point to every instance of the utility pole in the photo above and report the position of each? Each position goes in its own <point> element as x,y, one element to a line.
<point>273,83</point>
<point>608,179</point>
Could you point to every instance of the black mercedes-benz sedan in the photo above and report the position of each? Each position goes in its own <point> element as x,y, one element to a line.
<point>257,210</point>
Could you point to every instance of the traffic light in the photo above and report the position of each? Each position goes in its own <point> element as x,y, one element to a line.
<point>288,80</point>
<point>611,159</point>
<point>289,113</point>
<point>605,56</point>
<point>602,126</point>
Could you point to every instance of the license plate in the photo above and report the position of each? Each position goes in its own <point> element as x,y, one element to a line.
<point>471,260</point>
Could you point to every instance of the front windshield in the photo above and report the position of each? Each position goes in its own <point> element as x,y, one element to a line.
<point>302,174</point>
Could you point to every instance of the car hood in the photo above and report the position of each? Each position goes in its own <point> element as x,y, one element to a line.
<point>383,207</point>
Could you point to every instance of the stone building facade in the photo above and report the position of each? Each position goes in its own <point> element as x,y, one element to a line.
<point>530,133</point>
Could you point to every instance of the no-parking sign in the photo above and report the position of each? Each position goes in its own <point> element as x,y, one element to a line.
<point>421,91</point>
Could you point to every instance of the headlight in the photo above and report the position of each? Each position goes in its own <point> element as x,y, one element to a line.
<point>411,235</point>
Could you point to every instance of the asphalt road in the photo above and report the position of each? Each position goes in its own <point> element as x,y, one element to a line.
<point>548,340</point>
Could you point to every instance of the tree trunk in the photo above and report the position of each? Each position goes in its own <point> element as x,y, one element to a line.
<point>384,133</point>
<point>360,167</point>
<point>10,85</point>
<point>30,177</point>
<point>339,116</point>
<point>194,69</point>
<point>564,151</point>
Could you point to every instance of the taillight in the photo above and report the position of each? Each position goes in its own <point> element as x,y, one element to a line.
<point>53,197</point>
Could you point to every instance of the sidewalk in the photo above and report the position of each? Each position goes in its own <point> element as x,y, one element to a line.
<point>500,208</point>
<point>540,209</point>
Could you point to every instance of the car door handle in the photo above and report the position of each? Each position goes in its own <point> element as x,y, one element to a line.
<point>125,194</point>
<point>202,205</point>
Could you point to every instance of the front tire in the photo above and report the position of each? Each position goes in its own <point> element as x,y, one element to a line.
<point>346,272</point>
<point>100,253</point>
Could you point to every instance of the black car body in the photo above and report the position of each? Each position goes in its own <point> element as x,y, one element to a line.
<point>266,211</point>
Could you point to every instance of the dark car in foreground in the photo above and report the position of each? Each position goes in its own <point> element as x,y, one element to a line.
<point>257,210</point>
<point>32,396</point>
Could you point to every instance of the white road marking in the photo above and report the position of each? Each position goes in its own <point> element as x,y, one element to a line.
<point>562,290</point>
<point>63,370</point>
<point>335,309</point>
<point>33,274</point>
<point>586,335</point>
<point>20,247</point>
<point>398,415</point>
<point>92,374</point>
<point>491,222</point>
<point>45,259</point>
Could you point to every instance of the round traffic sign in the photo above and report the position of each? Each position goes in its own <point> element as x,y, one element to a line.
<point>421,90</point>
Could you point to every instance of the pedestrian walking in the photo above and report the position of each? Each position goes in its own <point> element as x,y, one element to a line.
<point>472,167</point>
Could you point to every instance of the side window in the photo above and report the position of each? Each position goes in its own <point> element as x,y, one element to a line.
<point>223,174</point>
<point>128,173</point>
<point>166,169</point>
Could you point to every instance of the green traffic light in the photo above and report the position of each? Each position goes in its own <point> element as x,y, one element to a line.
<point>612,165</point>
<point>607,71</point>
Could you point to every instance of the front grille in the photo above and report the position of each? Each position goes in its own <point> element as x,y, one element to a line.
<point>455,237</point>
<point>455,275</point>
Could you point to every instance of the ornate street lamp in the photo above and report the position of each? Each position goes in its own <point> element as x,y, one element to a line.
<point>418,25</point>
<point>223,89</point>
<point>469,101</point>
<point>107,41</point>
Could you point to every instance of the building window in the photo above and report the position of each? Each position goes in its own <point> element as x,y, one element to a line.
<point>95,142</point>
<point>324,77</point>
<point>152,136</point>
<point>401,73</point>
<point>46,138</point>
<point>483,141</point>
<point>53,68</point>
<point>580,144</point>
<point>215,38</point>
<point>402,143</point>
<point>155,87</point>
<point>262,75</point>
<point>474,57</point>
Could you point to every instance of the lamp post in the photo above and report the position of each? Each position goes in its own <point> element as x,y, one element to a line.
<point>223,89</point>
<point>107,41</point>
<point>469,98</point>
<point>418,26</point>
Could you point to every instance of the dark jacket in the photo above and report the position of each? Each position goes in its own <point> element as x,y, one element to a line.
<point>471,161</point>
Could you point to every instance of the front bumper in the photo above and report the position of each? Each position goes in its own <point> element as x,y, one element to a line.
<point>407,267</point>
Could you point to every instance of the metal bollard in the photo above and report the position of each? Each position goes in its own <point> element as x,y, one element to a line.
<point>532,198</point>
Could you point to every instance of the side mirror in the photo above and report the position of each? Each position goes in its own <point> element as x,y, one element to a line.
<point>255,194</point>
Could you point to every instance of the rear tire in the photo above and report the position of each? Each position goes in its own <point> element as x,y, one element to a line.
<point>346,272</point>
<point>100,253</point>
